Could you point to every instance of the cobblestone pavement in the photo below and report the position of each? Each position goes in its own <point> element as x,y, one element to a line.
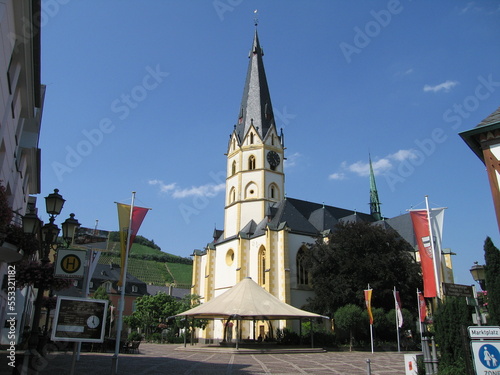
<point>174,359</point>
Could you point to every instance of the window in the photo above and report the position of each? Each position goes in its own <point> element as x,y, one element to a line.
<point>232,195</point>
<point>229,257</point>
<point>262,266</point>
<point>134,289</point>
<point>251,162</point>
<point>251,138</point>
<point>302,273</point>
<point>233,168</point>
<point>273,192</point>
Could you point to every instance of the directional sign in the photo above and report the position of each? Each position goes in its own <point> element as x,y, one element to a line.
<point>457,290</point>
<point>70,263</point>
<point>484,332</point>
<point>486,357</point>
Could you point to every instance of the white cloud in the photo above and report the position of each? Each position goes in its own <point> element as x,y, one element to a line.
<point>380,166</point>
<point>445,86</point>
<point>207,190</point>
<point>337,176</point>
<point>291,160</point>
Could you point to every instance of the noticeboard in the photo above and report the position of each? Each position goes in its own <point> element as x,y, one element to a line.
<point>79,319</point>
<point>457,290</point>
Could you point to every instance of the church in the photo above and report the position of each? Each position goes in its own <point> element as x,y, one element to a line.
<point>265,232</point>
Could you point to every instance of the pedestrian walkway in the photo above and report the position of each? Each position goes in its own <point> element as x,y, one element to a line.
<point>175,359</point>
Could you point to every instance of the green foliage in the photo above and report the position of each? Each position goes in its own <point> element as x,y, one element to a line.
<point>350,323</point>
<point>358,254</point>
<point>101,293</point>
<point>5,210</point>
<point>455,368</point>
<point>286,337</point>
<point>134,336</point>
<point>449,317</point>
<point>492,257</point>
<point>152,313</point>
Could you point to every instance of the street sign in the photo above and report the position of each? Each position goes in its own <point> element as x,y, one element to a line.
<point>79,319</point>
<point>484,332</point>
<point>457,290</point>
<point>70,263</point>
<point>486,357</point>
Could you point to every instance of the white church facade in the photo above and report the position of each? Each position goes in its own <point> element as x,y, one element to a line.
<point>265,233</point>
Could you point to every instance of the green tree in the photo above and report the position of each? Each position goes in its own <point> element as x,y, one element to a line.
<point>449,318</point>
<point>349,323</point>
<point>358,254</point>
<point>492,257</point>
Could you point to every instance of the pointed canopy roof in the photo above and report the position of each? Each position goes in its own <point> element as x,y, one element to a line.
<point>256,105</point>
<point>247,300</point>
<point>490,124</point>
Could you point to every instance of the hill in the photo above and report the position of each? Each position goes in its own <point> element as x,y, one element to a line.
<point>152,265</point>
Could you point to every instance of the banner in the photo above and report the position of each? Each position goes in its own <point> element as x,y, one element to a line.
<point>422,308</point>
<point>422,235</point>
<point>368,302</point>
<point>399,313</point>
<point>125,224</point>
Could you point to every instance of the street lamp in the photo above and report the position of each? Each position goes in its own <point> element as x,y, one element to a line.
<point>49,240</point>
<point>478,273</point>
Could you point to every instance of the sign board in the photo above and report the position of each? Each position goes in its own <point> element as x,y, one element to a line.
<point>484,332</point>
<point>79,319</point>
<point>70,264</point>
<point>457,290</point>
<point>486,356</point>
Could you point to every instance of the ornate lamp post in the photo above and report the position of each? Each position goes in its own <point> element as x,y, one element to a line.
<point>479,274</point>
<point>49,240</point>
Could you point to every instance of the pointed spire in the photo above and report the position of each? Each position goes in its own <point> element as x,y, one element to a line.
<point>256,104</point>
<point>374,201</point>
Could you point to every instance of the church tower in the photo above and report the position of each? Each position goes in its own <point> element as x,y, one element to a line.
<point>374,201</point>
<point>255,178</point>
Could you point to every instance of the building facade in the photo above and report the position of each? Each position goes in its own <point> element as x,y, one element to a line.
<point>484,141</point>
<point>21,104</point>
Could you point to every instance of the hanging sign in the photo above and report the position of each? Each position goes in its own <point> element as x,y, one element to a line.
<point>70,264</point>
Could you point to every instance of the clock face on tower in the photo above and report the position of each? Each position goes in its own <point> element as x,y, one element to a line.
<point>273,158</point>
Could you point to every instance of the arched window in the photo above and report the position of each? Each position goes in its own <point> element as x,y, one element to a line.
<point>273,192</point>
<point>251,138</point>
<point>302,272</point>
<point>233,168</point>
<point>232,195</point>
<point>251,162</point>
<point>262,266</point>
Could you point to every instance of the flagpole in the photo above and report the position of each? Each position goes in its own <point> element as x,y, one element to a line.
<point>371,325</point>
<point>397,318</point>
<point>114,366</point>
<point>433,248</point>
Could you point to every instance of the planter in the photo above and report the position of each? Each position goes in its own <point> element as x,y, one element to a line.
<point>9,253</point>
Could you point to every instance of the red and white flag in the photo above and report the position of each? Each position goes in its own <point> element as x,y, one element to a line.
<point>399,313</point>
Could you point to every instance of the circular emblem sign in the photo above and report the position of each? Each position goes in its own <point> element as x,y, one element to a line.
<point>70,263</point>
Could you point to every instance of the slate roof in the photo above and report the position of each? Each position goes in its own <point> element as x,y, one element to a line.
<point>471,137</point>
<point>172,291</point>
<point>256,107</point>
<point>107,272</point>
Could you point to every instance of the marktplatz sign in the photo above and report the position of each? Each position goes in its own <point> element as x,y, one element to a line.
<point>484,332</point>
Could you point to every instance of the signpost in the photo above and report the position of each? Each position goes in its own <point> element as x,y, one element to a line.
<point>457,290</point>
<point>485,346</point>
<point>70,263</point>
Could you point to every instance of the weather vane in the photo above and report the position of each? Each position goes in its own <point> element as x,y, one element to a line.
<point>256,17</point>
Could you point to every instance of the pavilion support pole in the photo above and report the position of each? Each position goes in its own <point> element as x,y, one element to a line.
<point>300,330</point>
<point>237,332</point>
<point>312,334</point>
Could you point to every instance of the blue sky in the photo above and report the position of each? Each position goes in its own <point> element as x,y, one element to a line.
<point>142,96</point>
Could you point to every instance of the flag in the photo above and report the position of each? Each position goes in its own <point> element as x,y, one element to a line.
<point>399,313</point>
<point>125,224</point>
<point>111,313</point>
<point>422,308</point>
<point>420,222</point>
<point>368,302</point>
